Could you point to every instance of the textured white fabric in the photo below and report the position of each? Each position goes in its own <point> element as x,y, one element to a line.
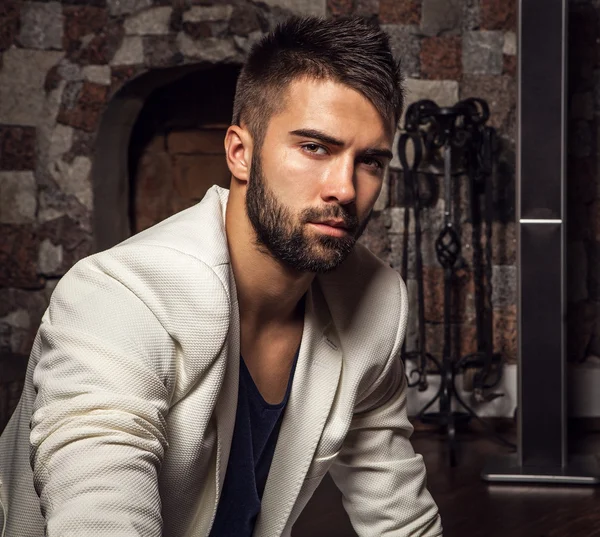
<point>131,392</point>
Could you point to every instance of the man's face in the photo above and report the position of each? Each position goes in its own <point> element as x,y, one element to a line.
<point>314,181</point>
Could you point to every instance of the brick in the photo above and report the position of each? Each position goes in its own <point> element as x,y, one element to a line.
<point>17,148</point>
<point>509,65</point>
<point>499,14</point>
<point>505,333</point>
<point>82,21</point>
<point>18,254</point>
<point>338,8</point>
<point>441,58</point>
<point>400,11</point>
<point>88,109</point>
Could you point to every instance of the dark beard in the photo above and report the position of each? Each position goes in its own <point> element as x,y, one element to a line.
<point>286,241</point>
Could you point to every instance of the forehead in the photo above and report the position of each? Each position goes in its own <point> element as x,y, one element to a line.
<point>331,107</point>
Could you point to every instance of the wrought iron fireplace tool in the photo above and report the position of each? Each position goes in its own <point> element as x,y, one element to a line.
<point>437,129</point>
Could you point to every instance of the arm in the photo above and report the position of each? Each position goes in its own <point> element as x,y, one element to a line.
<point>382,480</point>
<point>119,345</point>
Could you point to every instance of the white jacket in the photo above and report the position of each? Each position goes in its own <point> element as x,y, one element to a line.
<point>131,395</point>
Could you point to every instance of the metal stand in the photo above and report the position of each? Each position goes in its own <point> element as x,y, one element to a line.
<point>434,129</point>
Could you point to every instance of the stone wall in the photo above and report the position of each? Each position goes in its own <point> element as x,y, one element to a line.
<point>62,64</point>
<point>452,50</point>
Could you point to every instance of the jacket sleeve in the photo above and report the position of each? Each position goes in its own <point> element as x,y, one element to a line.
<point>98,430</point>
<point>382,480</point>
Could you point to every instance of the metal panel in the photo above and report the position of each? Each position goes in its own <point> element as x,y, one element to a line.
<point>541,329</point>
<point>541,210</point>
<point>542,43</point>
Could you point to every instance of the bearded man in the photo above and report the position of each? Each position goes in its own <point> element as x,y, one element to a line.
<point>202,377</point>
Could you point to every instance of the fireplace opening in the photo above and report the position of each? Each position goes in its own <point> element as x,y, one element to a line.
<point>176,150</point>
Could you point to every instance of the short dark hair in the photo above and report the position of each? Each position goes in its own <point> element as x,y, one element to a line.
<point>350,50</point>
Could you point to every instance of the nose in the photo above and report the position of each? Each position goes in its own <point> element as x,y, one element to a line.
<point>339,185</point>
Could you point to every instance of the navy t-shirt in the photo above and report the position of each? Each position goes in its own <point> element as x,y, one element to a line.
<point>255,435</point>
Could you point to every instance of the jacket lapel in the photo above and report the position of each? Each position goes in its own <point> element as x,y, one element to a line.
<point>314,386</point>
<point>226,407</point>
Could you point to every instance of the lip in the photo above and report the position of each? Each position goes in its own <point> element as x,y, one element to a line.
<point>331,227</point>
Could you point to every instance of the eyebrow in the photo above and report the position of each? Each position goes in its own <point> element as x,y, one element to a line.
<point>325,138</point>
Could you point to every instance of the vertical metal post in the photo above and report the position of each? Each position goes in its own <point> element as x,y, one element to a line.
<point>541,154</point>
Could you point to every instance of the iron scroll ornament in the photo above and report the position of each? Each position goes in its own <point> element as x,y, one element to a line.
<point>432,130</point>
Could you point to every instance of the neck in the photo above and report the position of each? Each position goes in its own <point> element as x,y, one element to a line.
<point>269,292</point>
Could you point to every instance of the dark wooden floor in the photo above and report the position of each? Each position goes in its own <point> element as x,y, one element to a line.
<point>471,508</point>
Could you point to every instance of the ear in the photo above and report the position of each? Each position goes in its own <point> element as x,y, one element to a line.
<point>238,152</point>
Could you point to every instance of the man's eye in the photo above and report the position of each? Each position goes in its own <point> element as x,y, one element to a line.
<point>373,163</point>
<point>315,149</point>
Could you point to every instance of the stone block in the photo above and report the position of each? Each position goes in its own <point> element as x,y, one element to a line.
<point>17,148</point>
<point>510,44</point>
<point>482,53</point>
<point>375,237</point>
<point>471,16</point>
<point>441,58</point>
<point>576,271</point>
<point>18,254</point>
<point>509,66</point>
<point>245,19</point>
<point>22,95</point>
<point>499,14</point>
<point>500,92</point>
<point>339,8</point>
<point>440,17</point>
<point>208,13</point>
<point>98,74</point>
<point>50,258</point>
<point>318,8</point>
<point>442,92</point>
<point>86,111</point>
<point>41,25</point>
<point>153,21</point>
<point>9,23</point>
<point>406,12</point>
<point>210,49</point>
<point>504,286</point>
<point>81,22</point>
<point>131,52</point>
<point>406,46</point>
<point>161,51</point>
<point>74,179</point>
<point>18,197</point>
<point>101,48</point>
<point>505,333</point>
<point>367,8</point>
<point>124,7</point>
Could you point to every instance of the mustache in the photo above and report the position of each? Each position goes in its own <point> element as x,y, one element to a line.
<point>337,212</point>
